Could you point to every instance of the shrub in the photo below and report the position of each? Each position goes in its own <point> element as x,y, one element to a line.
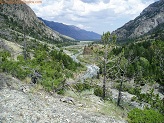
<point>98,91</point>
<point>82,86</point>
<point>134,98</point>
<point>145,116</point>
<point>61,92</point>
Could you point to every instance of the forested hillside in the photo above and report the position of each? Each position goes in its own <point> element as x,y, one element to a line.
<point>142,62</point>
<point>147,60</point>
<point>53,66</point>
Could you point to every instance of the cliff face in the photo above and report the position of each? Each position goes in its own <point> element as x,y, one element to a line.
<point>148,20</point>
<point>13,17</point>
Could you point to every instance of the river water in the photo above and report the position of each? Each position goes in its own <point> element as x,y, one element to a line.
<point>92,69</point>
<point>91,72</point>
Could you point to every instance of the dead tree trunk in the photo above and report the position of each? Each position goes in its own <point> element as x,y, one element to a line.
<point>120,90</point>
<point>123,71</point>
<point>24,41</point>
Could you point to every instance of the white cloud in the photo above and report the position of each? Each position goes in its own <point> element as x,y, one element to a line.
<point>129,7</point>
<point>83,26</point>
<point>93,12</point>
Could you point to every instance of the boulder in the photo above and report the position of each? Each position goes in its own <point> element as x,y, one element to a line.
<point>68,100</point>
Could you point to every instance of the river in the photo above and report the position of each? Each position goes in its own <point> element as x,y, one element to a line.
<point>92,69</point>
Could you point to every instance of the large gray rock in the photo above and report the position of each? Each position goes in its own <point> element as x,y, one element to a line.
<point>68,100</point>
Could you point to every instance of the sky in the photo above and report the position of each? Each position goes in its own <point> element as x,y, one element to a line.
<point>92,15</point>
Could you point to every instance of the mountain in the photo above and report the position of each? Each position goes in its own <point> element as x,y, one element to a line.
<point>72,31</point>
<point>150,19</point>
<point>17,19</point>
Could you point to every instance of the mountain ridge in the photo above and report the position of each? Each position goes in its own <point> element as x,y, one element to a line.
<point>20,18</point>
<point>72,31</point>
<point>149,19</point>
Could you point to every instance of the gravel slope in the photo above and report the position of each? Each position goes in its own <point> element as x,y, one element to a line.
<point>18,104</point>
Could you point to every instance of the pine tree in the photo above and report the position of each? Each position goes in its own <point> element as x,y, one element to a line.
<point>105,38</point>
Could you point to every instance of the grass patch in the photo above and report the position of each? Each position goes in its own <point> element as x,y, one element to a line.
<point>70,93</point>
<point>27,80</point>
<point>110,108</point>
<point>36,88</point>
<point>94,104</point>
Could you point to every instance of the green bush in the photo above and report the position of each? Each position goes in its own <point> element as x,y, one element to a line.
<point>145,116</point>
<point>61,92</point>
<point>98,91</point>
<point>134,98</point>
<point>82,86</point>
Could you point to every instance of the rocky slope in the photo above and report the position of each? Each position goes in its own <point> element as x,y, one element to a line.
<point>17,19</point>
<point>72,31</point>
<point>150,18</point>
<point>20,102</point>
